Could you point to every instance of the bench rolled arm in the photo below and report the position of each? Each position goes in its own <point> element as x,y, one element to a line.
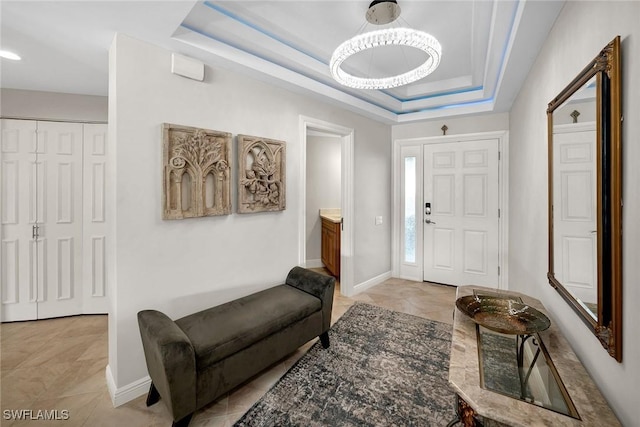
<point>171,361</point>
<point>318,285</point>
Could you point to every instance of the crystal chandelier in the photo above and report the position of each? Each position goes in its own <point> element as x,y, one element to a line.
<point>383,12</point>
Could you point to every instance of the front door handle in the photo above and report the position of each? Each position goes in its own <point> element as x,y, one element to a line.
<point>428,221</point>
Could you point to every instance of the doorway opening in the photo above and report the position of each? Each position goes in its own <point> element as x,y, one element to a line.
<point>326,171</point>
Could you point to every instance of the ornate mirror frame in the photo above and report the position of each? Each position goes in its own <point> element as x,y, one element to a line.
<point>606,324</point>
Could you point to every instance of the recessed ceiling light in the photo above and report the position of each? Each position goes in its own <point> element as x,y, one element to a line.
<point>9,55</point>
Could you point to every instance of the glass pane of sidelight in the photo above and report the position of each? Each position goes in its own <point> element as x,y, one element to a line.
<point>409,209</point>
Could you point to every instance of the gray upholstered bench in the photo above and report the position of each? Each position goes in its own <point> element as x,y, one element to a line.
<point>198,358</point>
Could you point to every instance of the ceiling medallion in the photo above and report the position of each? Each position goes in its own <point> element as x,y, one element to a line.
<point>383,12</point>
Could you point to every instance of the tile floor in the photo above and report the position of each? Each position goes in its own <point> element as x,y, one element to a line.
<point>60,364</point>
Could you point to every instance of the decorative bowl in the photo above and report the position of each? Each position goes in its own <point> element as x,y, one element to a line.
<point>503,315</point>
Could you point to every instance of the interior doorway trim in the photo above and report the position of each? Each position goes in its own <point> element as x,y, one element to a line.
<point>347,197</point>
<point>503,190</point>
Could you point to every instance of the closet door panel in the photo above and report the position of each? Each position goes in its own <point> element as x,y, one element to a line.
<point>18,254</point>
<point>60,153</point>
<point>95,292</point>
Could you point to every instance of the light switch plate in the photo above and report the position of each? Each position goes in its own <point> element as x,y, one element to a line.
<point>378,220</point>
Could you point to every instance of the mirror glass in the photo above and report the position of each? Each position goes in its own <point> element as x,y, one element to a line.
<point>575,196</point>
<point>585,196</point>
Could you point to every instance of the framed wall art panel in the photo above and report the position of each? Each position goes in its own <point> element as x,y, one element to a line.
<point>261,174</point>
<point>196,172</point>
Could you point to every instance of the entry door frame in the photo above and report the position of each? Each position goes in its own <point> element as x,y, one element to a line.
<point>503,199</point>
<point>347,236</point>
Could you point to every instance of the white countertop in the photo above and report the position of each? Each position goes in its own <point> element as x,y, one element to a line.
<point>333,214</point>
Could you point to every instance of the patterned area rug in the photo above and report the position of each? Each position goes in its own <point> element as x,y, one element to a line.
<point>383,368</point>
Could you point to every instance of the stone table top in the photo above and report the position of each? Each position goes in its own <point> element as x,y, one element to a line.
<point>333,215</point>
<point>464,377</point>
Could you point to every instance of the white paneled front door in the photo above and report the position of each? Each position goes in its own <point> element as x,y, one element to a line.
<point>461,213</point>
<point>574,208</point>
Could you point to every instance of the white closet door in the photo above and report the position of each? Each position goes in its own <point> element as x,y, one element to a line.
<point>60,159</point>
<point>94,220</point>
<point>19,251</point>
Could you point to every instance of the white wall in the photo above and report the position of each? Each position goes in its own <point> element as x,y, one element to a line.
<point>32,104</point>
<point>581,31</point>
<point>323,187</point>
<point>182,266</point>
<point>456,126</point>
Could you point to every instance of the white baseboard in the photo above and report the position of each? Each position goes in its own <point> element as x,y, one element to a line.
<point>371,282</point>
<point>122,395</point>
<point>313,263</point>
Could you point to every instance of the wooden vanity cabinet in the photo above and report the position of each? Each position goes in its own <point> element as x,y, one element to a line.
<point>331,246</point>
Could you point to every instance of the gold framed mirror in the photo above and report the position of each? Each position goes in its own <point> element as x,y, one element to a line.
<point>585,196</point>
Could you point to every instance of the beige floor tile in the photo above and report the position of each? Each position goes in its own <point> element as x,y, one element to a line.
<point>132,414</point>
<point>24,385</point>
<point>82,377</point>
<point>268,378</point>
<point>98,349</point>
<point>18,348</point>
<point>46,329</point>
<point>77,407</point>
<point>296,355</point>
<point>85,325</point>
<point>243,398</point>
<point>9,330</point>
<point>220,421</point>
<point>444,316</point>
<point>57,350</point>
<point>216,409</point>
<point>11,359</point>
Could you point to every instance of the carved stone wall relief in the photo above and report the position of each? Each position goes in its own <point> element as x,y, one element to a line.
<point>261,174</point>
<point>196,178</point>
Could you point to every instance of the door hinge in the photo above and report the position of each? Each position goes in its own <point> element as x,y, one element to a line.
<point>35,232</point>
<point>498,270</point>
<point>498,213</point>
<point>498,155</point>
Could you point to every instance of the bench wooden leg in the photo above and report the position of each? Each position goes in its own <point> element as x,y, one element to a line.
<point>183,422</point>
<point>153,396</point>
<point>324,339</point>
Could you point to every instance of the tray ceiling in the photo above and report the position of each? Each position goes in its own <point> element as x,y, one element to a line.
<point>488,47</point>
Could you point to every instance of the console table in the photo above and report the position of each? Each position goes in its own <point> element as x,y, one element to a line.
<point>479,406</point>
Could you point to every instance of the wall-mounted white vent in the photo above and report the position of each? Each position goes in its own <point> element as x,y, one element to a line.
<point>187,67</point>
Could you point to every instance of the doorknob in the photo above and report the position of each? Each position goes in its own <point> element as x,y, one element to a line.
<point>428,221</point>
